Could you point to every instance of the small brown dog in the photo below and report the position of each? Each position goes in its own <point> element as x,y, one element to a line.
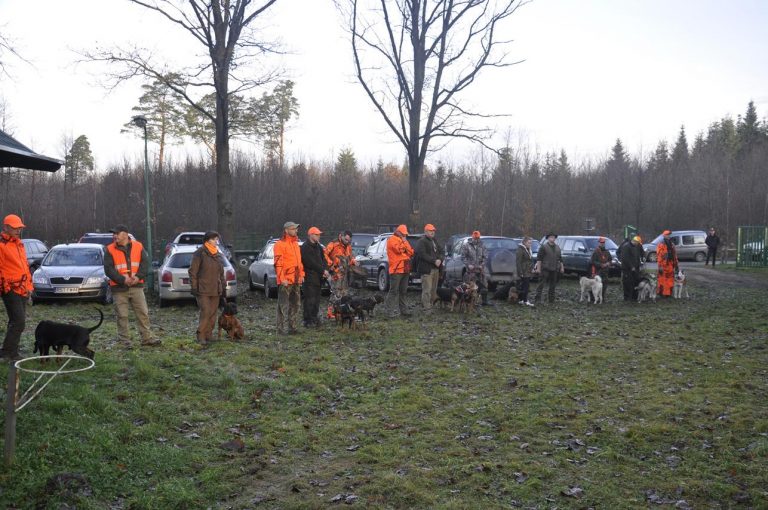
<point>513,297</point>
<point>470,298</point>
<point>229,322</point>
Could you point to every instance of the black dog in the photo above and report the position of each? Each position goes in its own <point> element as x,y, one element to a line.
<point>55,334</point>
<point>366,304</point>
<point>344,313</point>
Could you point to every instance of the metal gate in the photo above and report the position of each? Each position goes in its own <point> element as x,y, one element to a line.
<point>752,247</point>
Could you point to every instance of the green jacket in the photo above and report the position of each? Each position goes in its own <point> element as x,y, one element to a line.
<point>524,262</point>
<point>549,256</point>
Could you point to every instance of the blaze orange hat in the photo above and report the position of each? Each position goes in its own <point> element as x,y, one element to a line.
<point>601,240</point>
<point>429,226</point>
<point>637,238</point>
<point>476,234</point>
<point>402,229</point>
<point>314,230</point>
<point>13,221</point>
<point>666,233</point>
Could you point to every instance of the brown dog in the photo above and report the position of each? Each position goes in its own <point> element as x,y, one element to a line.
<point>229,322</point>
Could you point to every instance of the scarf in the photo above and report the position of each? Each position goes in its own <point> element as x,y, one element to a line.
<point>212,248</point>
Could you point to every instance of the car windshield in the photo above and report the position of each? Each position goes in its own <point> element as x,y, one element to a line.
<point>180,261</point>
<point>500,244</point>
<point>609,245</point>
<point>190,239</point>
<point>74,257</point>
<point>104,239</point>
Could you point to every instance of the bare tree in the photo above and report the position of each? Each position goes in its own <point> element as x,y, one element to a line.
<point>7,48</point>
<point>225,29</point>
<point>414,58</point>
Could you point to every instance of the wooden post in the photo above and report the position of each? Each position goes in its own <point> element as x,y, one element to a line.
<point>10,413</point>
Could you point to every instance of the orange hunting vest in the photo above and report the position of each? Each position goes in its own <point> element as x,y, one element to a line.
<point>118,256</point>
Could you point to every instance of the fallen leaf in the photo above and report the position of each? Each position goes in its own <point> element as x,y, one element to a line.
<point>235,445</point>
<point>573,492</point>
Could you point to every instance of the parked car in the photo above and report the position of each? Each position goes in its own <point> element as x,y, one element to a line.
<point>376,263</point>
<point>172,281</point>
<point>360,242</point>
<point>688,243</point>
<point>534,246</point>
<point>577,253</point>
<point>102,238</point>
<point>500,265</point>
<point>261,273</point>
<point>196,239</point>
<point>72,271</point>
<point>754,251</point>
<point>36,250</point>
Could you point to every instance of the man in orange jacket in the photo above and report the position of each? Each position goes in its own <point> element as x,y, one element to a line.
<point>16,283</point>
<point>399,253</point>
<point>290,276</point>
<point>338,256</point>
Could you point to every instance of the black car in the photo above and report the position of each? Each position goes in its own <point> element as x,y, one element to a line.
<point>376,263</point>
<point>577,253</point>
<point>36,250</point>
<point>500,264</point>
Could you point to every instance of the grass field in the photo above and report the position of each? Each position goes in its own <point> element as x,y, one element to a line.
<point>567,406</point>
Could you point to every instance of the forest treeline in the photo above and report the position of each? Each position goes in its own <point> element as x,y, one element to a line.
<point>719,179</point>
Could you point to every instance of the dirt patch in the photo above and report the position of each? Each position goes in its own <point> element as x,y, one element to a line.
<point>708,277</point>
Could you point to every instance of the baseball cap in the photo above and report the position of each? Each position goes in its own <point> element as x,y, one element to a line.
<point>119,228</point>
<point>290,224</point>
<point>13,221</point>
<point>429,226</point>
<point>314,230</point>
<point>476,234</point>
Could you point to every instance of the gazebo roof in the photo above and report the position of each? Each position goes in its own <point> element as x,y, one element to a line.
<point>15,154</point>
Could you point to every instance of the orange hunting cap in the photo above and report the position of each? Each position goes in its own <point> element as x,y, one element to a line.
<point>13,221</point>
<point>666,233</point>
<point>476,234</point>
<point>314,230</point>
<point>429,226</point>
<point>637,238</point>
<point>402,229</point>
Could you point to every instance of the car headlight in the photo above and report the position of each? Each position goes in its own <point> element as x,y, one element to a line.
<point>39,278</point>
<point>94,280</point>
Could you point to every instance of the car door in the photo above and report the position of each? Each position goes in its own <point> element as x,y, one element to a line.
<point>365,261</point>
<point>566,249</point>
<point>580,256</point>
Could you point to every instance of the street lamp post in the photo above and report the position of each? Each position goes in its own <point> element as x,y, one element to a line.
<point>141,122</point>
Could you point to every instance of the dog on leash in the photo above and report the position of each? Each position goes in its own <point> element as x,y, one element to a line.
<point>593,285</point>
<point>458,296</point>
<point>680,286</point>
<point>366,304</point>
<point>229,322</point>
<point>57,335</point>
<point>646,290</point>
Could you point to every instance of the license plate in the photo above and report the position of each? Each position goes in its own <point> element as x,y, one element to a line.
<point>185,281</point>
<point>67,290</point>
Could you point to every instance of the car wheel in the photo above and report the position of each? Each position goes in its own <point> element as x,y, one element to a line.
<point>651,257</point>
<point>382,281</point>
<point>251,285</point>
<point>244,262</point>
<point>107,299</point>
<point>700,256</point>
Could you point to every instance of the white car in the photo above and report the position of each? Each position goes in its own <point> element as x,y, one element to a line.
<point>172,281</point>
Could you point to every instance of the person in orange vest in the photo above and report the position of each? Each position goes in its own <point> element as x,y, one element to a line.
<point>399,253</point>
<point>290,276</point>
<point>126,265</point>
<point>338,255</point>
<point>16,283</point>
<point>666,258</point>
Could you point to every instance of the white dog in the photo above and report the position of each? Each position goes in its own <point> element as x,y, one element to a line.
<point>680,286</point>
<point>593,285</point>
<point>646,290</point>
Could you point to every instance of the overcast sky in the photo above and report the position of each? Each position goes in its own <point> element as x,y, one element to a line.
<point>593,71</point>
